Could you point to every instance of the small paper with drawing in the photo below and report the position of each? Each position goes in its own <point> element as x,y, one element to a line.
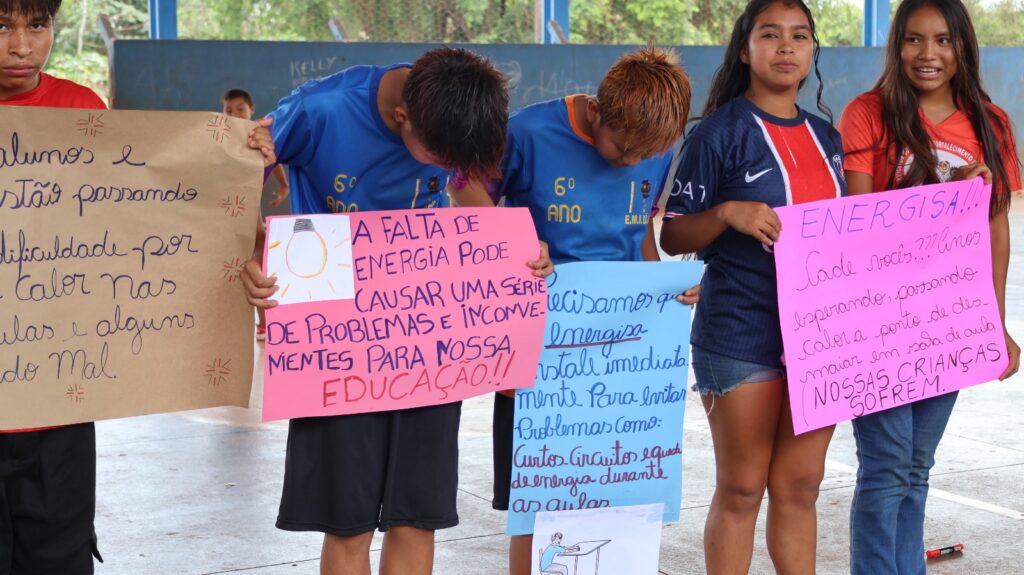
<point>608,541</point>
<point>311,257</point>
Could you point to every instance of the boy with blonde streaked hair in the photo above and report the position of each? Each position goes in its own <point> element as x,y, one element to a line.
<point>590,169</point>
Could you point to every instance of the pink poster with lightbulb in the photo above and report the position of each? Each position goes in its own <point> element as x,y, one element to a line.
<point>391,310</point>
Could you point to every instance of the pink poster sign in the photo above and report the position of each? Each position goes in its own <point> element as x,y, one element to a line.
<point>399,309</point>
<point>886,299</point>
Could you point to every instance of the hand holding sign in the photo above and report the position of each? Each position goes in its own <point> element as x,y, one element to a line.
<point>887,299</point>
<point>122,235</point>
<point>400,309</point>
<point>602,426</point>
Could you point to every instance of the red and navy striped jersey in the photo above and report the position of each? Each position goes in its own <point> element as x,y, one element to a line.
<point>741,153</point>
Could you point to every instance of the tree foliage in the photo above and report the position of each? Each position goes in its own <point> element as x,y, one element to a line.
<point>693,22</point>
<point>79,52</point>
<point>999,23</point>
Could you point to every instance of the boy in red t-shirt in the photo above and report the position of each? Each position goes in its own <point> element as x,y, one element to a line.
<point>48,476</point>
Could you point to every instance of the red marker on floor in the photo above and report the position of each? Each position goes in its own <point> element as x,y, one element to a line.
<point>944,551</point>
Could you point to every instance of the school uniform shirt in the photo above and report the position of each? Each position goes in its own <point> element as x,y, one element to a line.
<point>741,153</point>
<point>54,93</point>
<point>340,154</point>
<point>582,206</point>
<point>953,140</point>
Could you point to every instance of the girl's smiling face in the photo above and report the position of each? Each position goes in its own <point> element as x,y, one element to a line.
<point>928,53</point>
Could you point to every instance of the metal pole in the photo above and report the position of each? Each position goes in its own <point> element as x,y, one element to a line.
<point>558,12</point>
<point>876,22</point>
<point>163,19</point>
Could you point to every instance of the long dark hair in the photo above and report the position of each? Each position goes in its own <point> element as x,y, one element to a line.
<point>903,128</point>
<point>733,77</point>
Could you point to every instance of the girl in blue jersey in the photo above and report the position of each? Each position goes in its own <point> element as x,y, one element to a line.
<point>590,169</point>
<point>927,120</point>
<point>754,150</point>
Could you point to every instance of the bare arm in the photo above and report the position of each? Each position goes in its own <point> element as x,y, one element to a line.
<point>694,232</point>
<point>858,183</point>
<point>648,248</point>
<point>282,192</point>
<point>258,287</point>
<point>280,176</point>
<point>691,233</point>
<point>999,227</point>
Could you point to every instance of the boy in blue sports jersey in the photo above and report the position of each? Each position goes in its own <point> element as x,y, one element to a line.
<point>383,138</point>
<point>590,170</point>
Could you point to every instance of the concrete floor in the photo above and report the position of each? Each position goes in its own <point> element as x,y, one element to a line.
<point>197,492</point>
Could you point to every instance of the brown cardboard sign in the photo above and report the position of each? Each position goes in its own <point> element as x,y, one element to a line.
<point>122,235</point>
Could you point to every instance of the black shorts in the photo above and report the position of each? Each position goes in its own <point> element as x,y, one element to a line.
<point>351,474</point>
<point>48,501</point>
<point>501,436</point>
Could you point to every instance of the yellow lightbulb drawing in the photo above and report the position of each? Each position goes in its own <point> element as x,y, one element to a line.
<point>300,255</point>
<point>312,257</point>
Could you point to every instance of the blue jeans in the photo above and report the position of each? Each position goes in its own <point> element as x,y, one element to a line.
<point>895,452</point>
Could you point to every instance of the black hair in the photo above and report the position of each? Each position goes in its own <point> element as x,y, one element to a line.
<point>236,93</point>
<point>458,107</point>
<point>30,7</point>
<point>733,77</point>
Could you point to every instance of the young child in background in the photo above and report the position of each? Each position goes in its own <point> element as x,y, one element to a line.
<point>47,476</point>
<point>927,120</point>
<point>754,150</point>
<point>238,103</point>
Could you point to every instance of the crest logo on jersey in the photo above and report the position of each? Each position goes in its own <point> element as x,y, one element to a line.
<point>645,189</point>
<point>837,166</point>
<point>434,184</point>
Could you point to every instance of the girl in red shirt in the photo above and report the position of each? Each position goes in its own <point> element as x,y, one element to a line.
<point>928,120</point>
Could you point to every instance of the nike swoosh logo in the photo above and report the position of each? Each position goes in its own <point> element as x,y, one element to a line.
<point>750,178</point>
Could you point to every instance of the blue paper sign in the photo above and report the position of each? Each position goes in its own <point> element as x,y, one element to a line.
<point>603,426</point>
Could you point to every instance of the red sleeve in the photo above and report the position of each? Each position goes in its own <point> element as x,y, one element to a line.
<point>861,128</point>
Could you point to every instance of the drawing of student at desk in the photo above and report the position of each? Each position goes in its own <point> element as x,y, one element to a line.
<point>547,556</point>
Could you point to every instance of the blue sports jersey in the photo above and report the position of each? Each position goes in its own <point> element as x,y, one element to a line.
<point>741,153</point>
<point>341,156</point>
<point>585,208</point>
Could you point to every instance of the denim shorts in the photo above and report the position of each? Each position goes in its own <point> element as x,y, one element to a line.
<point>717,375</point>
